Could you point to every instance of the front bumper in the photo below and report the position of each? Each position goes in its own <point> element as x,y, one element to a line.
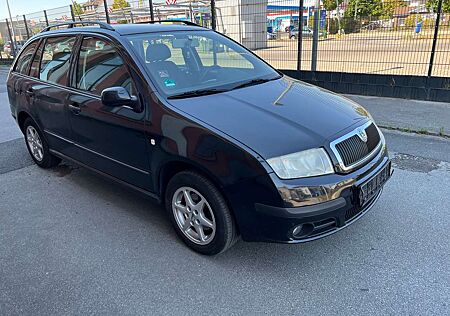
<point>306,223</point>
<point>317,221</point>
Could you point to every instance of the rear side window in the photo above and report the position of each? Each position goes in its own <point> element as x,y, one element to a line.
<point>100,66</point>
<point>24,60</point>
<point>55,59</point>
<point>34,70</point>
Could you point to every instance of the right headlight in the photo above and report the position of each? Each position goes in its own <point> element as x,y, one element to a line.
<point>307,163</point>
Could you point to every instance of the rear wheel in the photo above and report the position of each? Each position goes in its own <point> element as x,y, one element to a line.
<point>199,213</point>
<point>38,146</point>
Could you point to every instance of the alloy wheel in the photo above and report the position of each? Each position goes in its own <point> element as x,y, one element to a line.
<point>194,215</point>
<point>35,143</point>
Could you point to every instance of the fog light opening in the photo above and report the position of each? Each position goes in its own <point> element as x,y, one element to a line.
<point>302,230</point>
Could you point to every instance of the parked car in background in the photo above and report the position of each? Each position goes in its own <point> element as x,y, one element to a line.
<point>17,46</point>
<point>229,145</point>
<point>271,36</point>
<point>306,31</point>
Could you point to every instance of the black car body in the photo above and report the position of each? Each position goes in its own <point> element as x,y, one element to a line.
<point>225,136</point>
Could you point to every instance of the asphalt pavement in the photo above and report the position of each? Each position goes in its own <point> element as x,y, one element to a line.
<point>74,243</point>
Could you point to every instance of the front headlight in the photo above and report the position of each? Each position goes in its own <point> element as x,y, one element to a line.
<point>307,163</point>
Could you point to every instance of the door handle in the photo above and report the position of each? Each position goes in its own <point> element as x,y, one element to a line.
<point>75,108</point>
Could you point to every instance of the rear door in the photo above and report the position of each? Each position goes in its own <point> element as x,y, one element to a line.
<point>50,70</point>
<point>109,139</point>
<point>19,82</point>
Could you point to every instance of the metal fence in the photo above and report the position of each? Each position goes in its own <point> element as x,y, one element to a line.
<point>407,39</point>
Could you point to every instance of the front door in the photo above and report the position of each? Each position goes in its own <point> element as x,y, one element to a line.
<point>109,139</point>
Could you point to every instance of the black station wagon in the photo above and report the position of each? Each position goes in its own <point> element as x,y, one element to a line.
<point>231,147</point>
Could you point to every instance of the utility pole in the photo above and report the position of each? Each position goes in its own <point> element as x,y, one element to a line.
<point>12,24</point>
<point>315,42</point>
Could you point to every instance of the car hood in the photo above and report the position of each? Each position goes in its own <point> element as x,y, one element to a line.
<point>277,117</point>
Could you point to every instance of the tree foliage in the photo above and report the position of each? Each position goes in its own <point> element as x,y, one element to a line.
<point>389,7</point>
<point>364,8</point>
<point>120,4</point>
<point>330,5</point>
<point>433,5</point>
<point>77,8</point>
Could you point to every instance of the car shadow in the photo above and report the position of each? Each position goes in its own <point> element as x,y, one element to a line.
<point>256,256</point>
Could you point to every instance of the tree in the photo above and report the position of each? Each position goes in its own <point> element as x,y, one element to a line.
<point>120,4</point>
<point>364,8</point>
<point>389,7</point>
<point>433,5</point>
<point>331,5</point>
<point>77,8</point>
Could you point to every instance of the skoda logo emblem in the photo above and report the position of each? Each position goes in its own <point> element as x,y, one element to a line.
<point>362,135</point>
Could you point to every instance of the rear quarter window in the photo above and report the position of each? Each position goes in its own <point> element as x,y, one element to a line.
<point>24,61</point>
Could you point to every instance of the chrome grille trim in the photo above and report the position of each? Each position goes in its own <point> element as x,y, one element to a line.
<point>341,165</point>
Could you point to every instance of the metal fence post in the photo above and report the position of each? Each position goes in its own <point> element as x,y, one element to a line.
<point>315,36</point>
<point>46,18</point>
<point>26,26</point>
<point>106,11</point>
<point>13,44</point>
<point>300,36</point>
<point>150,4</point>
<point>72,13</point>
<point>436,30</point>
<point>213,14</point>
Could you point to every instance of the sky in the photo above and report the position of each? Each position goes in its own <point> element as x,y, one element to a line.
<point>19,7</point>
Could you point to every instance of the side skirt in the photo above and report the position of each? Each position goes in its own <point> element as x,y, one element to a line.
<point>127,185</point>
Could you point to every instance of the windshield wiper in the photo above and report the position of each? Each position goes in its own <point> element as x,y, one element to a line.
<point>254,82</point>
<point>196,93</point>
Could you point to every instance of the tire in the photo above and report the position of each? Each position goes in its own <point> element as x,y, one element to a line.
<point>216,221</point>
<point>37,145</point>
<point>293,37</point>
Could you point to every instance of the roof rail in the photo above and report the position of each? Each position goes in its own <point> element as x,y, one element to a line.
<point>102,25</point>
<point>171,21</point>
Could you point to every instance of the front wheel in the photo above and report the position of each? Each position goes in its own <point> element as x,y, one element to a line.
<point>199,213</point>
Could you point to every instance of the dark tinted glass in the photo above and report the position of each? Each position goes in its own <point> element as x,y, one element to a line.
<point>34,71</point>
<point>55,59</point>
<point>100,67</point>
<point>25,59</point>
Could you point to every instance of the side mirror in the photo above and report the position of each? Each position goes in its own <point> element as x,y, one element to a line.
<point>118,96</point>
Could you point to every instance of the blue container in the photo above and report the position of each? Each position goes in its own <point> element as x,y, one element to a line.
<point>419,26</point>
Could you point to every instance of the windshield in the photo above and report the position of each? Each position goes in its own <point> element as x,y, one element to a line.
<point>198,61</point>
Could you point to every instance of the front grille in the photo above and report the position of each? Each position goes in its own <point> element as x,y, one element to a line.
<point>353,149</point>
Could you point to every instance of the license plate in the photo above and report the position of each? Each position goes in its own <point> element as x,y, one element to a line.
<point>371,187</point>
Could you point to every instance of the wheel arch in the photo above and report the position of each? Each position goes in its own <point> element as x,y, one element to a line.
<point>170,168</point>
<point>21,117</point>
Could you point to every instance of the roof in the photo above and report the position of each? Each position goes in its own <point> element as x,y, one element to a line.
<point>127,29</point>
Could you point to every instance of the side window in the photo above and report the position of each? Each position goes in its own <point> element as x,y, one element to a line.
<point>34,71</point>
<point>100,66</point>
<point>55,59</point>
<point>24,60</point>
